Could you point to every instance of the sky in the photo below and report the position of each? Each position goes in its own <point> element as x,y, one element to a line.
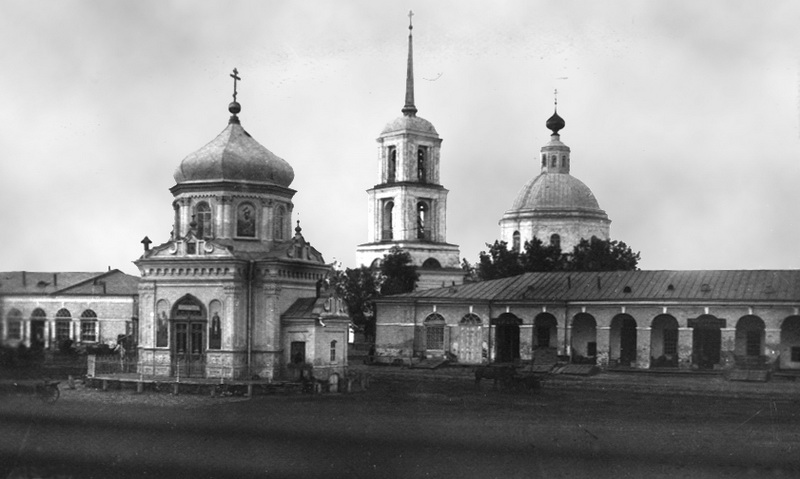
<point>683,117</point>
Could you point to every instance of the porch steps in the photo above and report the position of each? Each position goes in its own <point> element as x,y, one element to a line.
<point>577,370</point>
<point>750,375</point>
<point>432,363</point>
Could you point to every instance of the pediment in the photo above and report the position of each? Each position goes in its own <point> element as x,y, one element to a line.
<point>190,247</point>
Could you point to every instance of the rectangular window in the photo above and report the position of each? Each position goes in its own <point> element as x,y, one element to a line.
<point>333,351</point>
<point>670,342</point>
<point>15,330</point>
<point>796,354</point>
<point>62,330</point>
<point>434,337</point>
<point>753,343</point>
<point>89,331</point>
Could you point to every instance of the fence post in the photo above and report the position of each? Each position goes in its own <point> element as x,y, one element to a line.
<point>90,365</point>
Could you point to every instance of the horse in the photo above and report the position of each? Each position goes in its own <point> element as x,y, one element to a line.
<point>500,374</point>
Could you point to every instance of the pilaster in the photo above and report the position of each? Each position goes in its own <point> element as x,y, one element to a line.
<point>643,336</point>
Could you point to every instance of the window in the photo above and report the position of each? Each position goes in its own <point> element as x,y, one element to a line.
<point>423,231</point>
<point>553,161</point>
<point>89,326</point>
<point>246,221</point>
<point>795,354</point>
<point>544,160</point>
<point>564,160</point>
<point>333,351</point>
<point>753,343</point>
<point>555,240</point>
<point>422,164</point>
<point>391,166</point>
<point>203,219</point>
<point>670,342</point>
<point>14,324</point>
<point>516,242</point>
<point>279,226</point>
<point>63,322</point>
<point>434,331</point>
<point>431,263</point>
<point>387,233</point>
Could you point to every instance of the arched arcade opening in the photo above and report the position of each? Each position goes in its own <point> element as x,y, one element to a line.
<point>506,338</point>
<point>584,339</point>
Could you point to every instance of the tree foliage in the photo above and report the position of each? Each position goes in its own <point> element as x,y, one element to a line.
<point>589,255</point>
<point>359,287</point>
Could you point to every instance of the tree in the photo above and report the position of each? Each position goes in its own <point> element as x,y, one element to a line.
<point>360,286</point>
<point>398,273</point>
<point>589,255</point>
<point>603,255</point>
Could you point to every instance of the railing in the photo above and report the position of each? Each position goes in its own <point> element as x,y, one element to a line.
<point>111,364</point>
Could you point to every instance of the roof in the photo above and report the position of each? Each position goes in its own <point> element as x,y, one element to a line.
<point>234,156</point>
<point>556,192</point>
<point>113,282</point>
<point>412,123</point>
<point>625,286</point>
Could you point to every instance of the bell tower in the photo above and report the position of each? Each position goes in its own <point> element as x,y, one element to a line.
<point>408,206</point>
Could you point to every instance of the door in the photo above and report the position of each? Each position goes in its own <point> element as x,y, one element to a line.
<point>189,348</point>
<point>471,348</point>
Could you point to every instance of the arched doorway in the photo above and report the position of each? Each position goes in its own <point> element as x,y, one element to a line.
<point>188,322</point>
<point>584,339</point>
<point>790,343</point>
<point>434,335</point>
<point>623,340</point>
<point>749,341</point>
<point>664,342</point>
<point>706,340</point>
<point>38,320</point>
<point>545,331</point>
<point>506,338</point>
<point>470,348</point>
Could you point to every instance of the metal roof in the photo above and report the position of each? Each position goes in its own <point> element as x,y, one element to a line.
<point>624,286</point>
<point>112,282</point>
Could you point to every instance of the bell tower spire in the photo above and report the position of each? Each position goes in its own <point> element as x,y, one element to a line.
<point>409,109</point>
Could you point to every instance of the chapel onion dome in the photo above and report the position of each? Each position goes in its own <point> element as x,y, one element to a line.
<point>234,156</point>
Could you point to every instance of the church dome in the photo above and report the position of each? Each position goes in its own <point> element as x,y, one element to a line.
<point>550,192</point>
<point>234,156</point>
<point>410,122</point>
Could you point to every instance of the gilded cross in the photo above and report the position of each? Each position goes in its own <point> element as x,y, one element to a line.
<point>555,96</point>
<point>235,76</point>
<point>410,14</point>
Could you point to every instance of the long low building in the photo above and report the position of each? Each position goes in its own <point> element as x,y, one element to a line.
<point>637,319</point>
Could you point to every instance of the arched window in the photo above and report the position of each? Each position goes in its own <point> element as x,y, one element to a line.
<point>202,215</point>
<point>564,161</point>
<point>544,160</point>
<point>89,326</point>
<point>215,326</point>
<point>279,226</point>
<point>471,320</point>
<point>14,319</point>
<point>333,351</point>
<point>431,263</point>
<point>162,323</point>
<point>387,233</point>
<point>553,161</point>
<point>246,221</point>
<point>423,230</point>
<point>434,331</point>
<point>422,164</point>
<point>516,242</point>
<point>63,322</point>
<point>391,165</point>
<point>555,240</point>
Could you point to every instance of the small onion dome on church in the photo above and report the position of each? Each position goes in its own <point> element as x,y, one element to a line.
<point>410,123</point>
<point>556,193</point>
<point>555,123</point>
<point>234,156</point>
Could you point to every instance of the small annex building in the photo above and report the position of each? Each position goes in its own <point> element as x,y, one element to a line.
<point>42,310</point>
<point>233,293</point>
<point>636,319</point>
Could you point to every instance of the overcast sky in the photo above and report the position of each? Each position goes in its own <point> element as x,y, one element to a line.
<point>682,116</point>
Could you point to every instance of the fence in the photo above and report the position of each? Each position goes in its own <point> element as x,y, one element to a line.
<point>97,365</point>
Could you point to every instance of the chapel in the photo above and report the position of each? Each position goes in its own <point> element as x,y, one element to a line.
<point>407,208</point>
<point>235,293</point>
<point>554,206</point>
